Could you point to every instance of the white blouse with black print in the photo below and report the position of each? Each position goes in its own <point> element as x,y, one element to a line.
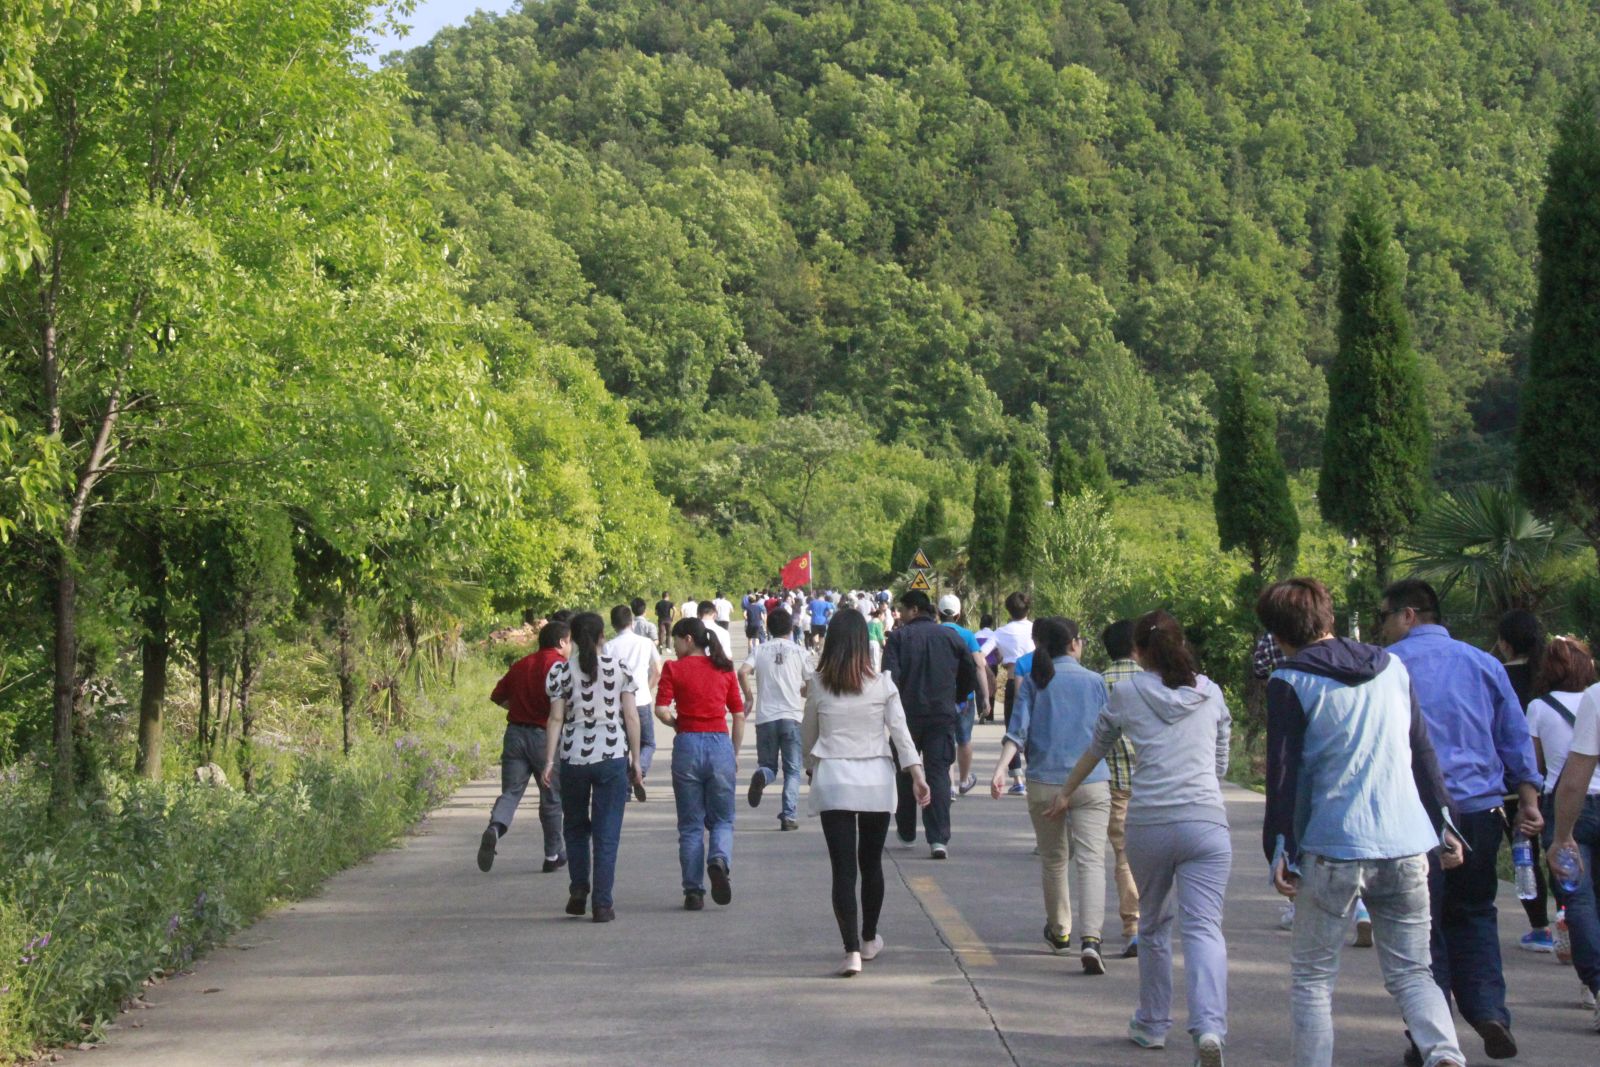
<point>592,728</point>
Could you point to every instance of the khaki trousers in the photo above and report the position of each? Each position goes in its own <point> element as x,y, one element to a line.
<point>1127,888</point>
<point>1077,839</point>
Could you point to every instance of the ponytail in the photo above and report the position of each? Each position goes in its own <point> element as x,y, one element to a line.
<point>1053,637</point>
<point>697,632</point>
<point>587,631</point>
<point>1163,649</point>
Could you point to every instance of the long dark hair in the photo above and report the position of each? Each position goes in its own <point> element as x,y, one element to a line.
<point>696,631</point>
<point>1052,637</point>
<point>587,631</point>
<point>1163,648</point>
<point>1523,634</point>
<point>846,660</point>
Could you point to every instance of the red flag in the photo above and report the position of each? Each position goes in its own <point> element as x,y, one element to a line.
<point>797,572</point>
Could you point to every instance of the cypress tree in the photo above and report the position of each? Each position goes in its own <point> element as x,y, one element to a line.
<point>1023,517</point>
<point>1097,475</point>
<point>1066,474</point>
<point>1557,470</point>
<point>986,543</point>
<point>933,525</point>
<point>1375,451</point>
<point>906,539</point>
<point>1253,507</point>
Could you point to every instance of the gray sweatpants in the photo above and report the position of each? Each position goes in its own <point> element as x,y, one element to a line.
<point>1182,870</point>
<point>522,758</point>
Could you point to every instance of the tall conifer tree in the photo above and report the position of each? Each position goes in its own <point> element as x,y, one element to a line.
<point>1066,474</point>
<point>986,543</point>
<point>1023,517</point>
<point>1557,470</point>
<point>1254,510</point>
<point>1376,448</point>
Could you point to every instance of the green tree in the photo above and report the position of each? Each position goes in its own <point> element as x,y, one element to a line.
<point>1096,476</point>
<point>1066,474</point>
<point>1556,466</point>
<point>1023,517</point>
<point>986,542</point>
<point>1376,445</point>
<point>1254,510</point>
<point>1079,570</point>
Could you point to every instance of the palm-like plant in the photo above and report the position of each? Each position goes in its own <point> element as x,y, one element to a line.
<point>1486,537</point>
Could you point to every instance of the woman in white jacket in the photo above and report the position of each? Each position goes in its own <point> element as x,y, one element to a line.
<point>852,714</point>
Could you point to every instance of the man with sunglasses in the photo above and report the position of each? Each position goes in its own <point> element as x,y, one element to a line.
<point>1481,739</point>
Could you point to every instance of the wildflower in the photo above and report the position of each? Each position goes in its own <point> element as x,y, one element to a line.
<point>172,926</point>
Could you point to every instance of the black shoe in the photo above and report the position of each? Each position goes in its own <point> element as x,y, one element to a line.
<point>1498,1044</point>
<point>604,915</point>
<point>1057,944</point>
<point>788,824</point>
<point>721,888</point>
<point>694,902</point>
<point>578,900</point>
<point>1413,1053</point>
<point>486,844</point>
<point>1090,956</point>
<point>1131,950</point>
<point>553,865</point>
<point>638,792</point>
<point>758,784</point>
<point>906,840</point>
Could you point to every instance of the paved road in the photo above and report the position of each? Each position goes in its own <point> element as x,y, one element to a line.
<point>416,957</point>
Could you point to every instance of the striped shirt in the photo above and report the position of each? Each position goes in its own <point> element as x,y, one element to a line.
<point>1119,761</point>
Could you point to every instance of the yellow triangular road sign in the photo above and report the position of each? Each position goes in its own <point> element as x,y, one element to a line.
<point>920,582</point>
<point>920,562</point>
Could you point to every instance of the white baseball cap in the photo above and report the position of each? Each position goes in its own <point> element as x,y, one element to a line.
<point>950,605</point>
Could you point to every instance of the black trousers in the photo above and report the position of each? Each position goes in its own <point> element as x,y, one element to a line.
<point>855,844</point>
<point>937,743</point>
<point>1466,938</point>
<point>1015,767</point>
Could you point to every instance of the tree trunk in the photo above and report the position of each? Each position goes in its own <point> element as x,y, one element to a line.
<point>247,771</point>
<point>155,649</point>
<point>203,668</point>
<point>347,682</point>
<point>65,603</point>
<point>1382,562</point>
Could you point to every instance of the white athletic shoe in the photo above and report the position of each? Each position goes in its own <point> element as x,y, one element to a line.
<point>1208,1051</point>
<point>1286,920</point>
<point>851,965</point>
<point>1586,999</point>
<point>870,949</point>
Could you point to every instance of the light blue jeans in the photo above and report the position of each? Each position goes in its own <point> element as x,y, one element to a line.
<point>780,740</point>
<point>1396,895</point>
<point>702,788</point>
<point>1182,871</point>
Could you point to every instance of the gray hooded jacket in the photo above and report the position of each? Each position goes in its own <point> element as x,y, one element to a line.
<point>1181,736</point>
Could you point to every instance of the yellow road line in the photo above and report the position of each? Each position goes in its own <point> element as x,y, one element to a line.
<point>963,938</point>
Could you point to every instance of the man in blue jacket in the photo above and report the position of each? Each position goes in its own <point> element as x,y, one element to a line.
<point>1481,737</point>
<point>1355,803</point>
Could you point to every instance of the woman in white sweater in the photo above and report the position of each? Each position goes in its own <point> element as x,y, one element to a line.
<point>852,713</point>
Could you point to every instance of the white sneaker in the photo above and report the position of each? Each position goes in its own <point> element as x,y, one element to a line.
<point>1208,1051</point>
<point>1363,925</point>
<point>1594,1023</point>
<point>1586,998</point>
<point>851,965</point>
<point>870,949</point>
<point>1286,920</point>
<point>938,852</point>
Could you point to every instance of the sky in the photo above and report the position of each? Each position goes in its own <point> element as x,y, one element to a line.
<point>433,15</point>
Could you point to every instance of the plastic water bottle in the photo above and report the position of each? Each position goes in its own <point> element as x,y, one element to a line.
<point>1522,860</point>
<point>1566,865</point>
<point>1563,938</point>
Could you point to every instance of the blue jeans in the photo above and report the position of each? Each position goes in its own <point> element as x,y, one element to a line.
<point>647,737</point>
<point>702,788</point>
<point>1466,926</point>
<point>780,737</point>
<point>1396,894</point>
<point>1583,922</point>
<point>966,716</point>
<point>521,761</point>
<point>592,797</point>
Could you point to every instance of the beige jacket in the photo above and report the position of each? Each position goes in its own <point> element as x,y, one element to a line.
<point>856,725</point>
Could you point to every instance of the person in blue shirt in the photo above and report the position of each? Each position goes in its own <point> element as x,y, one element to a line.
<point>821,610</point>
<point>949,616</point>
<point>1480,737</point>
<point>1052,723</point>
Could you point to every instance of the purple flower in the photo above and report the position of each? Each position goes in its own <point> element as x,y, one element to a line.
<point>172,926</point>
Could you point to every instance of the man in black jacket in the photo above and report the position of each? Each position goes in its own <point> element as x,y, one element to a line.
<point>931,668</point>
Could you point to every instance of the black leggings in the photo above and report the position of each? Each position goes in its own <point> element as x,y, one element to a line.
<point>847,856</point>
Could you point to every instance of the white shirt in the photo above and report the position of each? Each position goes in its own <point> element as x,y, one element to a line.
<point>1014,640</point>
<point>721,637</point>
<point>592,727</point>
<point>1586,734</point>
<point>637,654</point>
<point>1555,737</point>
<point>781,669</point>
<point>724,609</point>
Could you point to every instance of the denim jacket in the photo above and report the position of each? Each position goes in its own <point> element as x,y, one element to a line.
<point>1054,726</point>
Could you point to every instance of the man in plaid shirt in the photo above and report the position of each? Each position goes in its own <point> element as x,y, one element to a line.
<point>1118,641</point>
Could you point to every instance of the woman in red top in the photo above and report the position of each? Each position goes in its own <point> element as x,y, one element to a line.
<point>695,696</point>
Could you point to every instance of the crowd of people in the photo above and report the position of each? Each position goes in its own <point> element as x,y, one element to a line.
<point>1394,773</point>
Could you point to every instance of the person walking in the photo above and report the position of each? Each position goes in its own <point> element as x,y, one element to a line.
<point>1011,642</point>
<point>637,654</point>
<point>1519,645</point>
<point>698,696</point>
<point>594,726</point>
<point>1355,803</point>
<point>967,717</point>
<point>932,670</point>
<point>1562,736</point>
<point>1481,738</point>
<point>1178,841</point>
<point>852,716</point>
<point>643,626</point>
<point>664,609</point>
<point>522,751</point>
<point>820,610</point>
<point>755,619</point>
<point>706,611</point>
<point>1057,706</point>
<point>1117,639</point>
<point>779,673</point>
